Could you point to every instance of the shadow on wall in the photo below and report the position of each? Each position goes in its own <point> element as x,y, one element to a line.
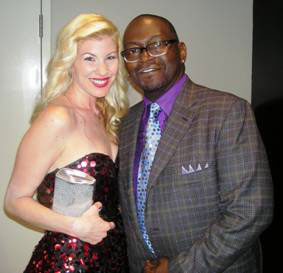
<point>269,118</point>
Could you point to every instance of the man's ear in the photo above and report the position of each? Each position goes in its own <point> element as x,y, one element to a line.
<point>182,51</point>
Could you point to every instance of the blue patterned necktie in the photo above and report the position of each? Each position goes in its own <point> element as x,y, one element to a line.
<point>152,137</point>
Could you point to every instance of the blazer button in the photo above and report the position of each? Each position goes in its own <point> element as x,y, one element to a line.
<point>154,230</point>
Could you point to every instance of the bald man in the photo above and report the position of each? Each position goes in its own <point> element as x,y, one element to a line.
<point>203,201</point>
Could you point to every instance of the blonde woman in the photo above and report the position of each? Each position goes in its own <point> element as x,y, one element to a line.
<point>75,125</point>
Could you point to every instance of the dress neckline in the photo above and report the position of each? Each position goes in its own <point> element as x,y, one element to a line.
<point>81,158</point>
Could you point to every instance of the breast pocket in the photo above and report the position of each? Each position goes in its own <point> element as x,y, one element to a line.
<point>194,168</point>
<point>192,183</point>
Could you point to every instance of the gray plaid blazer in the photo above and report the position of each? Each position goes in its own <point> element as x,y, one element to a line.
<point>209,194</point>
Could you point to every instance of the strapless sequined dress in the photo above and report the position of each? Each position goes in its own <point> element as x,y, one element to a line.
<point>58,252</point>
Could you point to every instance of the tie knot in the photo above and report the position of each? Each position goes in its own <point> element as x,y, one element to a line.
<point>154,110</point>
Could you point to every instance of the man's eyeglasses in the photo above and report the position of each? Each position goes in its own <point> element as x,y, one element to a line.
<point>156,49</point>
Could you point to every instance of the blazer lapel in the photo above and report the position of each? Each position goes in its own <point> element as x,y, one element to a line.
<point>133,129</point>
<point>177,125</point>
<point>133,125</point>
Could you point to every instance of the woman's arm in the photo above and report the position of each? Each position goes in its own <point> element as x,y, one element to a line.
<point>39,149</point>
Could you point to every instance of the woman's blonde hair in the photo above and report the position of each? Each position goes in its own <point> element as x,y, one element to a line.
<point>59,77</point>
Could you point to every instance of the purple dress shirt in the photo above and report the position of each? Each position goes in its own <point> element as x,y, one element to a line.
<point>166,103</point>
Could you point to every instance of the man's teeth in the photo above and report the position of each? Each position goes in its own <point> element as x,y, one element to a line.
<point>148,70</point>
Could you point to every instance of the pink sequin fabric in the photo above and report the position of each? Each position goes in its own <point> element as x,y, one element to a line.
<point>58,252</point>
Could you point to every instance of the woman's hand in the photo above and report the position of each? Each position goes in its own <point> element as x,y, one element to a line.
<point>90,227</point>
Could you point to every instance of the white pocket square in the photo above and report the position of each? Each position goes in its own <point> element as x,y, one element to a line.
<point>190,169</point>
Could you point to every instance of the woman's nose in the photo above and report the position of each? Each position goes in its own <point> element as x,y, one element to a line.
<point>102,69</point>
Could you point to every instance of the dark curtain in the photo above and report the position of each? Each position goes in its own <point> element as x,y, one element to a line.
<point>267,102</point>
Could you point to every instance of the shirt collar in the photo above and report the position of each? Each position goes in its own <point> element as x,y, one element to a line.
<point>167,101</point>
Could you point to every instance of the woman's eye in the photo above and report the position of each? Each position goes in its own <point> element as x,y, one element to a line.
<point>112,57</point>
<point>89,59</point>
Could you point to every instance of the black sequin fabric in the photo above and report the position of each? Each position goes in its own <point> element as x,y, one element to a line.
<point>60,253</point>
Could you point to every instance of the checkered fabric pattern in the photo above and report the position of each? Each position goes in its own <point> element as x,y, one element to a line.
<point>209,194</point>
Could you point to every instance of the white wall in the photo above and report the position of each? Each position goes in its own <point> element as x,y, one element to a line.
<point>218,34</point>
<point>19,85</point>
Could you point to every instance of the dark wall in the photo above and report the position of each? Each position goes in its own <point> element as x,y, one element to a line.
<point>267,101</point>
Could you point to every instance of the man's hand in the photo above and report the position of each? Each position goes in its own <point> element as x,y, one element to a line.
<point>156,266</point>
<point>90,227</point>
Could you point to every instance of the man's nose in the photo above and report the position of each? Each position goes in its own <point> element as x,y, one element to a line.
<point>145,55</point>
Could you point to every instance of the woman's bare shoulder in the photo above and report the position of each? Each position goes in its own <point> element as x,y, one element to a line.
<point>58,116</point>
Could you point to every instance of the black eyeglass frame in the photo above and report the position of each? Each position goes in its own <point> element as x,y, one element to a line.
<point>166,42</point>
